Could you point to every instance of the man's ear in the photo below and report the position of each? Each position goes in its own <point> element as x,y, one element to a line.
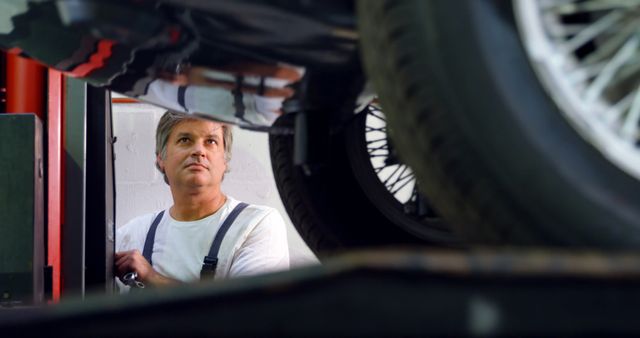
<point>160,163</point>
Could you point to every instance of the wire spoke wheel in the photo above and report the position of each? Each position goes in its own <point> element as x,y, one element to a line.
<point>389,183</point>
<point>587,56</point>
<point>396,176</point>
<point>364,196</point>
<point>519,118</point>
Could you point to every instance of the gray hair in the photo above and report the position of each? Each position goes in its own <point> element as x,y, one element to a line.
<point>169,120</point>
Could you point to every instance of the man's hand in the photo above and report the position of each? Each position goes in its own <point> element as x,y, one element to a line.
<point>133,261</point>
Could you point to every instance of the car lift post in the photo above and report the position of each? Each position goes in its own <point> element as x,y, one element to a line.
<point>78,171</point>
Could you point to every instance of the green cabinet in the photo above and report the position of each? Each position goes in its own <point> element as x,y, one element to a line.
<point>21,210</point>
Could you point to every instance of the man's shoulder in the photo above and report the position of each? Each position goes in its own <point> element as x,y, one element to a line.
<point>256,215</point>
<point>261,208</point>
<point>132,234</point>
<point>252,208</point>
<point>139,222</point>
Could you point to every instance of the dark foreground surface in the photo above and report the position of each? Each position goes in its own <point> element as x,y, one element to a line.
<point>373,294</point>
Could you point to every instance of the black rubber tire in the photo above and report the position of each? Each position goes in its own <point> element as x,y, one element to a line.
<point>504,166</point>
<point>329,208</point>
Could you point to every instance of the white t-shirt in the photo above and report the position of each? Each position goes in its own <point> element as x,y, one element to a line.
<point>258,234</point>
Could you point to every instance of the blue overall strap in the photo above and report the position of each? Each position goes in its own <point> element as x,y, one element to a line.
<point>151,237</point>
<point>211,260</point>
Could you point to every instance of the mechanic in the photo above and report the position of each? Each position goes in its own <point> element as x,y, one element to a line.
<point>177,245</point>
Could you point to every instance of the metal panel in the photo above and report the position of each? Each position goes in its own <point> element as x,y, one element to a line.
<point>88,233</point>
<point>100,212</point>
<point>3,82</point>
<point>21,207</point>
<point>73,229</point>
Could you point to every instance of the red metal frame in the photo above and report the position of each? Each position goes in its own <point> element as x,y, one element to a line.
<point>55,169</point>
<point>124,100</point>
<point>25,86</point>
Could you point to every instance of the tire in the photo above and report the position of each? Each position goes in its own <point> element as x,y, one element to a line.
<point>330,209</point>
<point>504,166</point>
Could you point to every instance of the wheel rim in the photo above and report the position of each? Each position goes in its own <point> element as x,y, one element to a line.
<point>587,57</point>
<point>396,177</point>
<point>389,183</point>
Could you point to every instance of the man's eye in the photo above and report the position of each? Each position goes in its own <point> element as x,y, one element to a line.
<point>183,140</point>
<point>211,141</point>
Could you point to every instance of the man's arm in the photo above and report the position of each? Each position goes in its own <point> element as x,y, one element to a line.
<point>133,261</point>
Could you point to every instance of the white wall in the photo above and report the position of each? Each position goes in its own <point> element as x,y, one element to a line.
<point>140,188</point>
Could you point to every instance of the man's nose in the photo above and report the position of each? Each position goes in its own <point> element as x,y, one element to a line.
<point>198,150</point>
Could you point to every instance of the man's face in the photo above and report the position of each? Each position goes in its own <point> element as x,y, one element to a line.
<point>194,155</point>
